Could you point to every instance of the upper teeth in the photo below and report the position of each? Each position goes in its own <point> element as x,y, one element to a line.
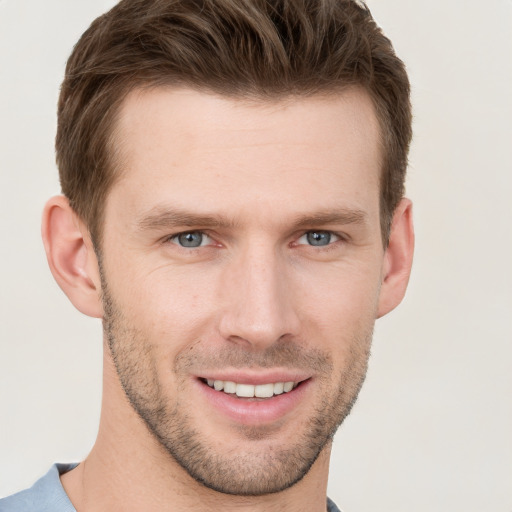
<point>250,391</point>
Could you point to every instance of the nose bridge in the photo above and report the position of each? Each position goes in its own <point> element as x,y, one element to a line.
<point>259,309</point>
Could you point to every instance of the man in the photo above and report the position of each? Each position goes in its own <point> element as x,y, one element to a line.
<point>233,175</point>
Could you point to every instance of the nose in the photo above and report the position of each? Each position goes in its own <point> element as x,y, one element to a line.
<point>258,300</point>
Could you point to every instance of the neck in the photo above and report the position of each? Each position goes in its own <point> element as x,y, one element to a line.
<point>129,470</point>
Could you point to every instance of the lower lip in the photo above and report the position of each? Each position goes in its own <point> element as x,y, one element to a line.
<point>260,412</point>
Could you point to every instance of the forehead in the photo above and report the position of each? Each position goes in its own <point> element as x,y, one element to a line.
<point>202,145</point>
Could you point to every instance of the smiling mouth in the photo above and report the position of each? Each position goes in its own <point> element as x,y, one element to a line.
<point>249,390</point>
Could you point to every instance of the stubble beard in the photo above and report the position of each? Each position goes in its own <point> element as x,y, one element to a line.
<point>255,471</point>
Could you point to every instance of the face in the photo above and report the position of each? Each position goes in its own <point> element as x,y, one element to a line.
<point>241,269</point>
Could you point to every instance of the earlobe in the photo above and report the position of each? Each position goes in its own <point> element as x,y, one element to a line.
<point>397,259</point>
<point>71,256</point>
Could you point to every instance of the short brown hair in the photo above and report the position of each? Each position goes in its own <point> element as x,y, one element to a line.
<point>261,48</point>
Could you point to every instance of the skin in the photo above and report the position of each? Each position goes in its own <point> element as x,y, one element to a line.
<point>255,298</point>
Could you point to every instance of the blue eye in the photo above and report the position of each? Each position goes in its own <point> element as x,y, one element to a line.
<point>191,239</point>
<point>318,238</point>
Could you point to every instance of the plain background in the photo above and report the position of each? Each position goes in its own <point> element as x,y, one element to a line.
<point>432,428</point>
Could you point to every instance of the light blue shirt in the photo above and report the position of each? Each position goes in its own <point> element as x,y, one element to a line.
<point>48,495</point>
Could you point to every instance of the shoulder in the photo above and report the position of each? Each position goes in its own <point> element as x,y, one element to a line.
<point>331,506</point>
<point>46,495</point>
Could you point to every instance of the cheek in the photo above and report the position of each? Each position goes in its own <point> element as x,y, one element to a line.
<point>341,313</point>
<point>168,306</point>
<point>342,293</point>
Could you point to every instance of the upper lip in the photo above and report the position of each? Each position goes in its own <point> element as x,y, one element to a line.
<point>256,377</point>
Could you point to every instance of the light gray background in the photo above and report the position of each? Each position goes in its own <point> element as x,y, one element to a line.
<point>433,426</point>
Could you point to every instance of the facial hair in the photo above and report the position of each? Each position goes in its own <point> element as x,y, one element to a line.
<point>263,466</point>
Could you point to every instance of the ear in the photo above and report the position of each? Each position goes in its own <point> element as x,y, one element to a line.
<point>71,256</point>
<point>397,259</point>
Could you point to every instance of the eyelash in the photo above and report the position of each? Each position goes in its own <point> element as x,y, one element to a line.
<point>339,238</point>
<point>321,232</point>
<point>175,237</point>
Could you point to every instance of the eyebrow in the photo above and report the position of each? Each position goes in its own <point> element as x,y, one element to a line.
<point>164,218</point>
<point>159,218</point>
<point>341,216</point>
